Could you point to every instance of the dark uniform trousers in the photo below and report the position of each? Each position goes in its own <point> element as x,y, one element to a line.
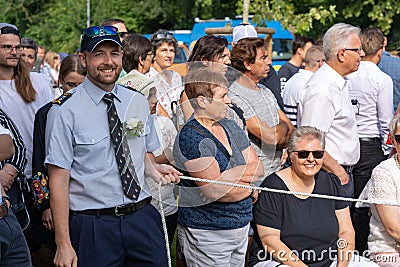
<point>136,239</point>
<point>371,155</point>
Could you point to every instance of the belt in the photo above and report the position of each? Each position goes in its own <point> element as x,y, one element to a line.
<point>348,168</point>
<point>118,210</point>
<point>370,139</point>
<point>3,209</point>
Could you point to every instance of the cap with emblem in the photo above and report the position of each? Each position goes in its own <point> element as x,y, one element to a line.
<point>95,35</point>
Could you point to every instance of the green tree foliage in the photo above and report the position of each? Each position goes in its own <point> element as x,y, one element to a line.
<point>57,24</point>
<point>298,18</point>
<point>312,18</point>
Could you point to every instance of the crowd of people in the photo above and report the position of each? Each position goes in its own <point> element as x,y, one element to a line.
<point>87,140</point>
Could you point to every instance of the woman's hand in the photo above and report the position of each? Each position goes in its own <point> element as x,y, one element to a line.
<point>47,220</point>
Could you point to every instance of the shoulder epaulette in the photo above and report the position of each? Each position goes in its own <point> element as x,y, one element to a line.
<point>131,88</point>
<point>62,98</point>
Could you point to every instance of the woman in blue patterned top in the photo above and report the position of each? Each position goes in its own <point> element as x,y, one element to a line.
<point>214,219</point>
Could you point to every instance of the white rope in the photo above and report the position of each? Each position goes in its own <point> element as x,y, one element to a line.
<point>290,192</point>
<point>164,224</point>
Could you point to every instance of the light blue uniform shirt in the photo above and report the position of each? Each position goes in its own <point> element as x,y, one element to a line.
<point>78,139</point>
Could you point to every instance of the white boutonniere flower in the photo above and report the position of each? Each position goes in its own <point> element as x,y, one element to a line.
<point>133,127</point>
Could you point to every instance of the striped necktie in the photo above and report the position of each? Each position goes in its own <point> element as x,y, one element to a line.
<point>122,154</point>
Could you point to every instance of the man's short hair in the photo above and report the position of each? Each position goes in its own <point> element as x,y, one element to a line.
<point>27,42</point>
<point>111,22</point>
<point>372,40</point>
<point>245,51</point>
<point>135,46</point>
<point>6,28</point>
<point>338,37</point>
<point>313,55</point>
<point>300,42</point>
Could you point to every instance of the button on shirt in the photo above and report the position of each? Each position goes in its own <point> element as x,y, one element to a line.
<point>326,105</point>
<point>78,139</point>
<point>373,90</point>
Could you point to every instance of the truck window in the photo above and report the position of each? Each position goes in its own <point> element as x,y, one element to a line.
<point>281,49</point>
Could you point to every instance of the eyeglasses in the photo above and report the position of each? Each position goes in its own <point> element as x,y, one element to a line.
<point>358,50</point>
<point>397,138</point>
<point>69,85</point>
<point>320,61</point>
<point>303,154</point>
<point>9,48</point>
<point>123,34</point>
<point>96,31</point>
<point>165,36</point>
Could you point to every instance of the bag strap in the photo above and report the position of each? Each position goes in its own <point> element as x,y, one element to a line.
<point>239,112</point>
<point>208,135</point>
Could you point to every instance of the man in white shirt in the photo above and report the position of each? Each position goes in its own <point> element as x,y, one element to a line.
<point>326,104</point>
<point>294,87</point>
<point>371,90</point>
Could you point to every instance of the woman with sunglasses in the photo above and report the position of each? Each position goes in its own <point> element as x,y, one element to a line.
<point>168,82</point>
<point>384,186</point>
<point>296,230</point>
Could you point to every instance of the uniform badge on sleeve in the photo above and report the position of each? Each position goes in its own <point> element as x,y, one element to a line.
<point>62,98</point>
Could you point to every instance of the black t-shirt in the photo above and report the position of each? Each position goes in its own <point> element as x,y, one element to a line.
<point>305,224</point>
<point>285,72</point>
<point>272,83</point>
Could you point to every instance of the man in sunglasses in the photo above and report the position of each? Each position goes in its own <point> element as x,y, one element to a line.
<point>326,104</point>
<point>119,24</point>
<point>100,203</point>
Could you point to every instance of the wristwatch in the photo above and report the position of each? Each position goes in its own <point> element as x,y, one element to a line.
<point>4,198</point>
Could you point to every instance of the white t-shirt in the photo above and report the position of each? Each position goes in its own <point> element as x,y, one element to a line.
<point>22,113</point>
<point>294,88</point>
<point>167,92</point>
<point>166,133</point>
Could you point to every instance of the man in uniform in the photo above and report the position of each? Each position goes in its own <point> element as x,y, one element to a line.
<point>97,170</point>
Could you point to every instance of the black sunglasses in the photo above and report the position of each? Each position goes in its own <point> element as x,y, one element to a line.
<point>303,154</point>
<point>96,31</point>
<point>397,138</point>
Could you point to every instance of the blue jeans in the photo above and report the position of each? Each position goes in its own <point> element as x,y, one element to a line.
<point>13,248</point>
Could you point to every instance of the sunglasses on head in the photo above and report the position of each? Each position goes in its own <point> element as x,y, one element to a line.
<point>397,138</point>
<point>166,35</point>
<point>96,31</point>
<point>303,154</point>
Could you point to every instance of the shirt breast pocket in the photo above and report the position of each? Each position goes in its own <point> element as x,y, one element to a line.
<point>90,145</point>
